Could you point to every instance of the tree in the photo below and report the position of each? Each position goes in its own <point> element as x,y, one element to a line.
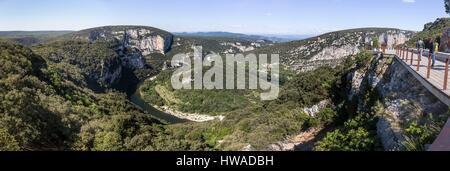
<point>376,43</point>
<point>354,136</point>
<point>7,141</point>
<point>354,140</point>
<point>447,6</point>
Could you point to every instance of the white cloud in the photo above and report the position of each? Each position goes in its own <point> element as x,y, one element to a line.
<point>409,1</point>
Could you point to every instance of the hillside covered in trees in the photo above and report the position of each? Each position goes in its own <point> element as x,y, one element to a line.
<point>41,110</point>
<point>74,92</point>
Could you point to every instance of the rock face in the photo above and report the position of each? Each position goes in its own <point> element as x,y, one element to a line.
<point>314,110</point>
<point>238,47</point>
<point>402,97</point>
<point>402,100</point>
<point>146,40</point>
<point>445,41</point>
<point>332,48</point>
<point>216,45</point>
<point>132,45</point>
<point>111,73</point>
<point>133,60</point>
<point>392,38</point>
<point>405,100</point>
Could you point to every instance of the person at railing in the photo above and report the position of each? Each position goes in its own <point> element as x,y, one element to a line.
<point>434,48</point>
<point>420,46</point>
<point>395,42</point>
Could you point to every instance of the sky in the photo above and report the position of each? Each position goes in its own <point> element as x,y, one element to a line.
<point>297,17</point>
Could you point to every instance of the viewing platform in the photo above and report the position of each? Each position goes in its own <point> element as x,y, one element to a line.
<point>434,79</point>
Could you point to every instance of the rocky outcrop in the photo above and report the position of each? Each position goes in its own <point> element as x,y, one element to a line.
<point>332,48</point>
<point>403,99</point>
<point>111,73</point>
<point>445,41</point>
<point>238,47</point>
<point>314,110</point>
<point>146,40</point>
<point>354,42</point>
<point>406,100</point>
<point>391,38</point>
<point>133,45</point>
<point>108,74</point>
<point>329,56</point>
<point>133,60</point>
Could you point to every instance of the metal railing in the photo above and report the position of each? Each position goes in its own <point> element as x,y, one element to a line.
<point>407,54</point>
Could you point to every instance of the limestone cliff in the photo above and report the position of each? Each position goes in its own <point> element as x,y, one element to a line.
<point>132,44</point>
<point>403,99</point>
<point>110,73</point>
<point>332,48</point>
<point>145,39</point>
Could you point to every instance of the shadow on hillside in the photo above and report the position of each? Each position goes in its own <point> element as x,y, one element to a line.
<point>128,82</point>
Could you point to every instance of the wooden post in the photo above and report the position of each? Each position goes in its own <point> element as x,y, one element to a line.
<point>412,57</point>
<point>429,66</point>
<point>406,56</point>
<point>403,53</point>
<point>446,74</point>
<point>419,59</point>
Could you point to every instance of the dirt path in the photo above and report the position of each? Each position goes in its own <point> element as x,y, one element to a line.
<point>304,141</point>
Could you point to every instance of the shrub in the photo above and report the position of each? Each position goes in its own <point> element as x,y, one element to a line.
<point>353,140</point>
<point>419,135</point>
<point>354,136</point>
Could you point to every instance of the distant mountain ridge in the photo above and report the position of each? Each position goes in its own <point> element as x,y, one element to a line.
<point>33,33</point>
<point>30,37</point>
<point>247,37</point>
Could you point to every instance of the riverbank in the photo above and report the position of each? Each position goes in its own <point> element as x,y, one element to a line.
<point>170,115</point>
<point>194,117</point>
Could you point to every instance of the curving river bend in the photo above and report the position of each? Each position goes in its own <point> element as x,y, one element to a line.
<point>136,99</point>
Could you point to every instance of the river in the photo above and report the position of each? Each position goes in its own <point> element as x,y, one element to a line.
<point>136,99</point>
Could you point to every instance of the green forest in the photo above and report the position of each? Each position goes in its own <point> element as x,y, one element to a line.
<point>47,105</point>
